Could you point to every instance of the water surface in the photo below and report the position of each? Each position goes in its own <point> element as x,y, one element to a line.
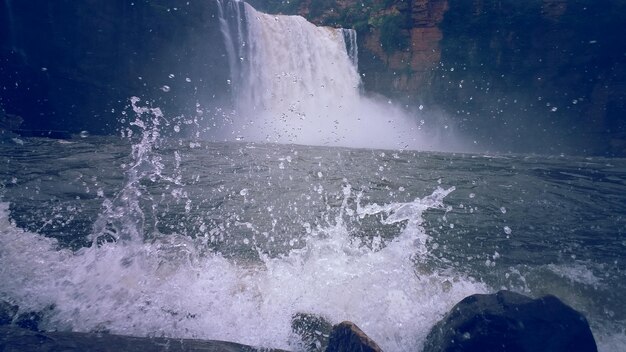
<point>174,237</point>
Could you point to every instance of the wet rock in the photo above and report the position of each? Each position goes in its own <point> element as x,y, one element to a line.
<point>29,320</point>
<point>7,312</point>
<point>62,79</point>
<point>32,319</point>
<point>313,330</point>
<point>507,321</point>
<point>13,338</point>
<point>347,337</point>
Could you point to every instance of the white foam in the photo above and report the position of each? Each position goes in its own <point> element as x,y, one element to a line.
<point>611,341</point>
<point>174,286</point>
<point>576,273</point>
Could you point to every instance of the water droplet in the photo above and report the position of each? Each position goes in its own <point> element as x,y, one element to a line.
<point>84,134</point>
<point>472,195</point>
<point>507,230</point>
<point>421,107</point>
<point>503,210</point>
<point>177,128</point>
<point>171,75</point>
<point>165,88</point>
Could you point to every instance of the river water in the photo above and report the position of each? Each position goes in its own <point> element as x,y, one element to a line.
<point>163,236</point>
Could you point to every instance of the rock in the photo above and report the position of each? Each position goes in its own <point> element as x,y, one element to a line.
<point>13,338</point>
<point>29,320</point>
<point>313,330</point>
<point>347,337</point>
<point>508,321</point>
<point>60,79</point>
<point>7,312</point>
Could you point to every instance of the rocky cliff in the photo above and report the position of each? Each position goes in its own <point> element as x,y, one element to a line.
<point>545,75</point>
<point>73,65</point>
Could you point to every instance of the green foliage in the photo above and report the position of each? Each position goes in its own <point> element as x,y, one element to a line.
<point>318,7</point>
<point>392,36</point>
<point>288,7</point>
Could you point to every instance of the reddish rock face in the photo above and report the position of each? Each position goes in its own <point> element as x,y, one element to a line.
<point>410,68</point>
<point>425,49</point>
<point>428,13</point>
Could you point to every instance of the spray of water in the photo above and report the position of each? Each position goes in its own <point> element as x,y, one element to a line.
<point>148,284</point>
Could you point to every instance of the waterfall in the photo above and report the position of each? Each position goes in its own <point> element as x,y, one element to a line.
<point>294,82</point>
<point>349,36</point>
<point>231,25</point>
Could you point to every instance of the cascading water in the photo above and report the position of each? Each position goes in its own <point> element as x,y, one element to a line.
<point>231,25</point>
<point>294,82</point>
<point>349,36</point>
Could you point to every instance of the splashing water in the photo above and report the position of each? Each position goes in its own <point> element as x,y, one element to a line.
<point>150,284</point>
<point>229,240</point>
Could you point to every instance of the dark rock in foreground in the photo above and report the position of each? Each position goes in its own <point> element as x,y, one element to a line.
<point>13,338</point>
<point>507,321</point>
<point>28,320</point>
<point>347,337</point>
<point>504,321</point>
<point>7,312</point>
